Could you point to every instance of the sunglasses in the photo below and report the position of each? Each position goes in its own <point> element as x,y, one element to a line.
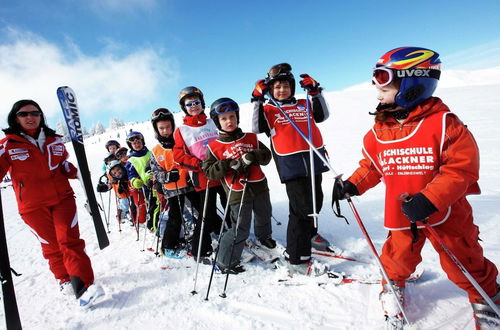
<point>119,154</point>
<point>134,138</point>
<point>23,114</point>
<point>382,76</point>
<point>226,107</point>
<point>193,103</point>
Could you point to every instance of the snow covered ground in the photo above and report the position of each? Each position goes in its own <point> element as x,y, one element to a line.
<point>140,294</point>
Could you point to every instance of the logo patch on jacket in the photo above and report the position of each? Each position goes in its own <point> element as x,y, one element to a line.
<point>57,150</point>
<point>20,157</point>
<point>17,151</point>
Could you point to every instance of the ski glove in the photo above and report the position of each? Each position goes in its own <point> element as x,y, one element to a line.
<point>417,207</point>
<point>340,190</point>
<point>309,84</point>
<point>259,91</point>
<point>236,166</point>
<point>158,187</point>
<point>173,176</point>
<point>136,183</point>
<point>248,159</point>
<point>102,187</point>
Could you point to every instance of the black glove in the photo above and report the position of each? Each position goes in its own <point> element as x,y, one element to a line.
<point>121,188</point>
<point>417,207</point>
<point>236,166</point>
<point>248,159</point>
<point>158,187</point>
<point>341,189</point>
<point>173,175</point>
<point>102,187</point>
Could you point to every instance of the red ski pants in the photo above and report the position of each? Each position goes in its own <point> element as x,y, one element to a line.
<point>400,257</point>
<point>56,227</point>
<point>140,204</point>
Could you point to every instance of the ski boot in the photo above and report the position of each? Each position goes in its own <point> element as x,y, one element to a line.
<point>484,316</point>
<point>393,315</point>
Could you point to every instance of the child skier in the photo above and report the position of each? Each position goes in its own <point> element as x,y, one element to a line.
<point>190,149</point>
<point>239,155</point>
<point>291,154</point>
<point>174,182</point>
<point>429,162</point>
<point>138,175</point>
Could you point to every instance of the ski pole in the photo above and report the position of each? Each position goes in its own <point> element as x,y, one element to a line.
<point>278,223</point>
<point>118,214</point>
<point>223,294</point>
<point>375,253</point>
<point>200,239</point>
<point>12,318</point>
<point>109,207</point>
<point>314,214</point>
<point>147,201</point>
<point>220,233</point>
<point>104,211</point>
<point>461,267</point>
<point>349,201</point>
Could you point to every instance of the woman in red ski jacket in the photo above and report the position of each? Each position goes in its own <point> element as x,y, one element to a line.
<point>35,157</point>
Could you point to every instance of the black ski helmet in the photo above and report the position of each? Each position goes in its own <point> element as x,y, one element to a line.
<point>282,71</point>
<point>222,106</point>
<point>112,143</point>
<point>132,134</point>
<point>122,151</point>
<point>159,115</point>
<point>190,91</point>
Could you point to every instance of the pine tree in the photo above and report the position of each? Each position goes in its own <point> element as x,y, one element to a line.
<point>62,129</point>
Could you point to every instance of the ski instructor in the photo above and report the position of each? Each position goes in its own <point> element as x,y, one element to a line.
<point>36,157</point>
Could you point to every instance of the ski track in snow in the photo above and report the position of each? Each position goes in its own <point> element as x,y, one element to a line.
<point>140,294</point>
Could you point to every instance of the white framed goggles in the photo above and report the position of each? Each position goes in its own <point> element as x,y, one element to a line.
<point>382,76</point>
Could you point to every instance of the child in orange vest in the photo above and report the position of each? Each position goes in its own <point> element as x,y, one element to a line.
<point>173,182</point>
<point>239,155</point>
<point>429,162</point>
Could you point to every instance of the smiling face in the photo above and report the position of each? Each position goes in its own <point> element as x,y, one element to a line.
<point>281,90</point>
<point>136,143</point>
<point>193,105</point>
<point>29,117</point>
<point>228,121</point>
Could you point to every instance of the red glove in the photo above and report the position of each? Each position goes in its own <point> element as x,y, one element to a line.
<point>260,89</point>
<point>69,170</point>
<point>309,84</point>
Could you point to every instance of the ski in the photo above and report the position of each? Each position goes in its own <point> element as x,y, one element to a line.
<point>330,254</point>
<point>69,106</point>
<point>263,253</point>
<point>9,295</point>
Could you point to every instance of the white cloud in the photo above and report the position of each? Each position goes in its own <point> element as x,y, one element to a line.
<point>33,68</point>
<point>482,56</point>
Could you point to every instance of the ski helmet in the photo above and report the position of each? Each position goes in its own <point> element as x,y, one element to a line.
<point>121,152</point>
<point>190,91</point>
<point>132,135</point>
<point>278,72</point>
<point>112,143</point>
<point>418,70</point>
<point>222,106</point>
<point>114,164</point>
<point>159,115</point>
<point>109,158</point>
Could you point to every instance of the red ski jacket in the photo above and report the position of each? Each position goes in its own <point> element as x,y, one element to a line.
<point>39,179</point>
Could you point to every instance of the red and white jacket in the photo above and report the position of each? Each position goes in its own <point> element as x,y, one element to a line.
<point>190,149</point>
<point>39,178</point>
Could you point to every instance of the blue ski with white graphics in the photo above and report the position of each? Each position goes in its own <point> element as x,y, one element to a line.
<point>69,106</point>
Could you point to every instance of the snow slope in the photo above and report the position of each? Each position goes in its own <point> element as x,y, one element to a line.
<point>140,294</point>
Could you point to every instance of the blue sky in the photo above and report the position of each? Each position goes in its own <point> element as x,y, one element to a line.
<point>125,58</point>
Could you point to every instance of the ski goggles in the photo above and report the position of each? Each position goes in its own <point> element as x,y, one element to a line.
<point>23,114</point>
<point>225,107</point>
<point>282,70</point>
<point>134,138</point>
<point>121,152</point>
<point>161,114</point>
<point>192,103</point>
<point>382,76</point>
